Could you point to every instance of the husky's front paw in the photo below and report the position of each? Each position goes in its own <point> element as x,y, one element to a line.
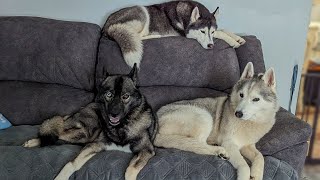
<point>256,174</point>
<point>234,44</point>
<point>31,143</point>
<point>243,173</point>
<point>222,153</point>
<point>240,40</point>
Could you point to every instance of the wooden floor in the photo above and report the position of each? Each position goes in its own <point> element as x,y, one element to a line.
<point>311,172</point>
<point>310,119</point>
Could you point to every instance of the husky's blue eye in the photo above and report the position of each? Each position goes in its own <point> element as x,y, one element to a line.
<point>203,31</point>
<point>256,99</point>
<point>241,95</point>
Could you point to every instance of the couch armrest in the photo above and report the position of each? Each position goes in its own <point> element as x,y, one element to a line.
<point>287,140</point>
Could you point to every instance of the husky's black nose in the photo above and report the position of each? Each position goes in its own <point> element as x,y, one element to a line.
<point>210,46</point>
<point>239,114</point>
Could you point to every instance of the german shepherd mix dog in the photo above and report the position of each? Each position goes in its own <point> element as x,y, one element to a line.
<point>124,119</point>
<point>235,122</point>
<point>129,26</point>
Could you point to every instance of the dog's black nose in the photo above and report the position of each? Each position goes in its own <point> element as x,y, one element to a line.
<point>210,46</point>
<point>239,114</point>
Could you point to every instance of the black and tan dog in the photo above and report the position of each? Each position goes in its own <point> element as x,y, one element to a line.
<point>120,116</point>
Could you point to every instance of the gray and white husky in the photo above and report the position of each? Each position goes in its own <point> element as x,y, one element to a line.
<point>129,26</point>
<point>235,123</point>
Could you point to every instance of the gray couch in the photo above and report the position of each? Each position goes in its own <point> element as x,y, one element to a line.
<point>50,67</point>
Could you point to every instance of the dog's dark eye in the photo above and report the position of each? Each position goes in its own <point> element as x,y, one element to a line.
<point>109,94</point>
<point>203,31</point>
<point>125,96</point>
<point>241,95</point>
<point>256,99</point>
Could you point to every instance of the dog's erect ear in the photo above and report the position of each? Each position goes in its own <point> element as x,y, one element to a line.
<point>195,15</point>
<point>248,71</point>
<point>216,12</point>
<point>105,73</point>
<point>270,79</point>
<point>133,73</point>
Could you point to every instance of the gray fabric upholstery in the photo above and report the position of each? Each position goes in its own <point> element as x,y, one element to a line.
<point>31,103</point>
<point>188,64</point>
<point>251,51</point>
<point>287,132</point>
<point>48,67</point>
<point>45,163</point>
<point>48,51</point>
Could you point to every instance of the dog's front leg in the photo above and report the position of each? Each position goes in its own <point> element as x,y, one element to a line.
<point>239,39</point>
<point>236,159</point>
<point>140,159</point>
<point>222,35</point>
<point>86,153</point>
<point>256,159</point>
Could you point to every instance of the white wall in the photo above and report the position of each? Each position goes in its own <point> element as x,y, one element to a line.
<point>281,25</point>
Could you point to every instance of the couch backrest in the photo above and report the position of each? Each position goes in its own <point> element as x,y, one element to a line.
<point>48,51</point>
<point>47,67</point>
<point>178,61</point>
<point>177,68</point>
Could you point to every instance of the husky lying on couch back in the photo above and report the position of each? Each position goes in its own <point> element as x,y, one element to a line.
<point>236,122</point>
<point>129,26</point>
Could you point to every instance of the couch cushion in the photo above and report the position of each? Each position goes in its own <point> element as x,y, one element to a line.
<point>175,61</point>
<point>251,51</point>
<point>288,131</point>
<point>44,163</point>
<point>161,95</point>
<point>31,103</point>
<point>50,51</point>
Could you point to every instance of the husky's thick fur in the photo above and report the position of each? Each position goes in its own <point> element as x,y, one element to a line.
<point>235,122</point>
<point>120,117</point>
<point>129,26</point>
<point>80,128</point>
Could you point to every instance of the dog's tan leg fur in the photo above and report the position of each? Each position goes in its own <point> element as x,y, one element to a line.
<point>239,39</point>
<point>237,160</point>
<point>32,143</point>
<point>85,155</point>
<point>257,161</point>
<point>188,144</point>
<point>222,35</point>
<point>137,163</point>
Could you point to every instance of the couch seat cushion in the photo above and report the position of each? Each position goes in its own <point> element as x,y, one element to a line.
<point>44,163</point>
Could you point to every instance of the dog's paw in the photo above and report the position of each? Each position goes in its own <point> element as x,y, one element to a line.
<point>243,173</point>
<point>131,173</point>
<point>234,44</point>
<point>222,153</point>
<point>256,174</point>
<point>240,40</point>
<point>31,143</point>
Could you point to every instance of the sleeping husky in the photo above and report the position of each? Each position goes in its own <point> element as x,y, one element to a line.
<point>120,119</point>
<point>129,26</point>
<point>235,122</point>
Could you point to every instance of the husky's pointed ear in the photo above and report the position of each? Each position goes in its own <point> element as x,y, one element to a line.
<point>195,15</point>
<point>105,73</point>
<point>133,74</point>
<point>248,71</point>
<point>270,79</point>
<point>216,12</point>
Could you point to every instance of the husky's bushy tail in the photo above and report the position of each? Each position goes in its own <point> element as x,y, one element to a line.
<point>130,42</point>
